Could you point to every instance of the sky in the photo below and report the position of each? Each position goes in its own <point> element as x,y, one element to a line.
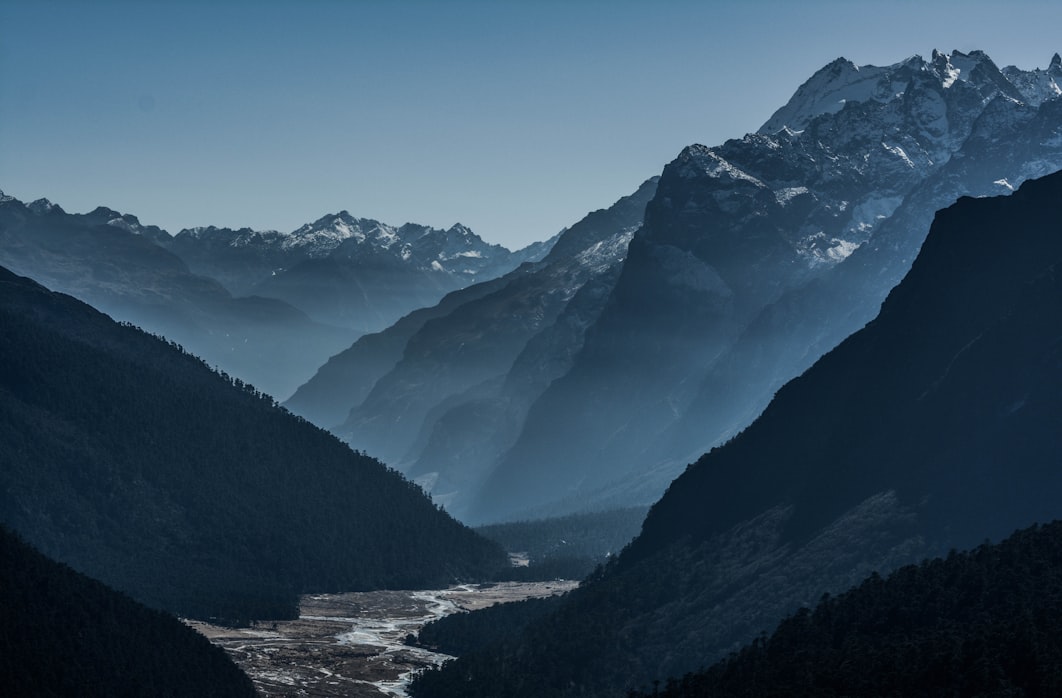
<point>513,118</point>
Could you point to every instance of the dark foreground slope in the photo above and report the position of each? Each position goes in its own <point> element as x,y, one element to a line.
<point>982,623</point>
<point>132,462</point>
<point>63,634</point>
<point>933,427</point>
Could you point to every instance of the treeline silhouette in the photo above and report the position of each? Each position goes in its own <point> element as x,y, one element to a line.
<point>63,634</point>
<point>565,547</point>
<point>461,633</point>
<point>979,623</point>
<point>133,462</point>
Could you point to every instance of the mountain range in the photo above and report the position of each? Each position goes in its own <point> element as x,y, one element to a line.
<point>451,384</point>
<point>729,274</point>
<point>265,306</point>
<point>346,271</point>
<point>131,461</point>
<point>933,427</point>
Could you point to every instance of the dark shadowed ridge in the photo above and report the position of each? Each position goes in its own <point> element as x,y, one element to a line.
<point>131,461</point>
<point>934,427</point>
<point>978,623</point>
<point>63,634</point>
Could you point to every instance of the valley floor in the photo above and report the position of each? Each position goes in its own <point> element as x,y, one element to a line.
<point>352,644</point>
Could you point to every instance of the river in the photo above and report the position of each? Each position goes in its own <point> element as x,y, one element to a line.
<point>352,644</point>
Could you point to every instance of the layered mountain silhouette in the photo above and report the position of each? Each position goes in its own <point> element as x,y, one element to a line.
<point>759,255</point>
<point>268,307</point>
<point>934,427</point>
<point>134,463</point>
<point>444,391</point>
<point>63,634</point>
<point>755,258</point>
<point>345,271</point>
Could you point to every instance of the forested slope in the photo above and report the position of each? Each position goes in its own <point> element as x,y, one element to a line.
<point>63,634</point>
<point>981,623</point>
<point>133,462</point>
<point>933,427</point>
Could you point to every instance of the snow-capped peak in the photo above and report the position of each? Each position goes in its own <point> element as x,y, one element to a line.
<point>42,206</point>
<point>1037,85</point>
<point>328,232</point>
<point>842,82</point>
<point>462,230</point>
<point>958,65</point>
<point>826,92</point>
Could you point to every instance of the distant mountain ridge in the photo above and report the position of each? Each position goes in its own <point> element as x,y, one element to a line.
<point>269,307</point>
<point>444,390</point>
<point>348,271</point>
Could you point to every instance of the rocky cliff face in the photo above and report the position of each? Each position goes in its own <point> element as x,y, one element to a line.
<point>760,254</point>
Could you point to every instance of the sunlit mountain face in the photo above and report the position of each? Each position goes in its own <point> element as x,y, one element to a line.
<point>745,263</point>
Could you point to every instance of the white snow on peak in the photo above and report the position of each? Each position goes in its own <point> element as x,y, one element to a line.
<point>125,225</point>
<point>436,266</point>
<point>1004,183</point>
<point>955,66</point>
<point>326,234</point>
<point>951,74</point>
<point>841,249</point>
<point>1037,86</point>
<point>41,206</point>
<point>826,92</point>
<point>710,163</point>
<point>785,195</point>
<point>604,253</point>
<point>819,251</point>
<point>898,152</point>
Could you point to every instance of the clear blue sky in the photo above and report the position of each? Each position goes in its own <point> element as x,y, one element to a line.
<point>515,118</point>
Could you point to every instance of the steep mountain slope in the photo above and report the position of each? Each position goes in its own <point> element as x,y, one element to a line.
<point>933,427</point>
<point>346,378</point>
<point>346,271</point>
<point>1007,146</point>
<point>131,461</point>
<point>63,634</point>
<point>444,389</point>
<point>457,397</point>
<point>759,255</point>
<point>117,265</point>
<point>978,623</point>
